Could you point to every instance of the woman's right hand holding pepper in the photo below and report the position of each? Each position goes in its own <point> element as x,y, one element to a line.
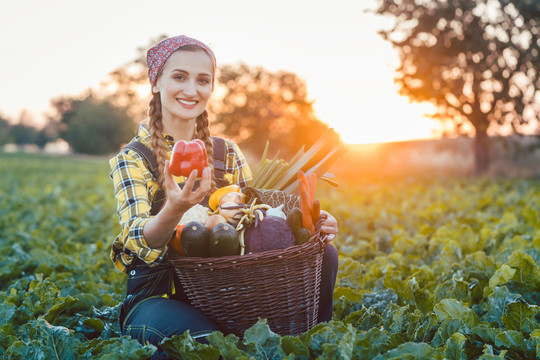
<point>179,200</point>
<point>158,230</point>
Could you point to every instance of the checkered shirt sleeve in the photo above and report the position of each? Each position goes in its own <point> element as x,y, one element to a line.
<point>131,189</point>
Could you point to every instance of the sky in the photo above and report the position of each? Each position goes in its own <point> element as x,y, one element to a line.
<point>62,47</point>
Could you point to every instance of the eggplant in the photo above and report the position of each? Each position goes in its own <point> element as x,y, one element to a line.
<point>224,240</point>
<point>194,238</point>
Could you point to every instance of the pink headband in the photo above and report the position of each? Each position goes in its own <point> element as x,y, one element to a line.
<point>156,56</point>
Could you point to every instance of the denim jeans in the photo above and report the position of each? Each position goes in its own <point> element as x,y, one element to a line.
<point>328,282</point>
<point>156,318</point>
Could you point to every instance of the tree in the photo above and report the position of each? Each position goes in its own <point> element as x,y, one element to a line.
<point>22,134</point>
<point>257,105</point>
<point>476,60</point>
<point>5,131</point>
<point>92,126</point>
<point>45,135</point>
<point>23,131</point>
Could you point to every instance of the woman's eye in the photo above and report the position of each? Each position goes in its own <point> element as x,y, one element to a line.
<point>204,81</point>
<point>179,77</point>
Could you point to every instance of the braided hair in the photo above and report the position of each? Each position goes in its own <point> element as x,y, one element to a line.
<point>202,132</point>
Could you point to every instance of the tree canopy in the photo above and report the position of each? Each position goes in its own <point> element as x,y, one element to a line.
<point>23,131</point>
<point>93,126</point>
<point>476,60</point>
<point>259,105</point>
<point>5,127</point>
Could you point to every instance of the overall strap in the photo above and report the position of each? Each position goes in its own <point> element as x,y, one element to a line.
<point>146,154</point>
<point>220,157</point>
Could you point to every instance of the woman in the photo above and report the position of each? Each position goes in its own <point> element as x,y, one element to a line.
<point>182,75</point>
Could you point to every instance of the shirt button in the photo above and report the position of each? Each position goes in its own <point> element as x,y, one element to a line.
<point>132,272</point>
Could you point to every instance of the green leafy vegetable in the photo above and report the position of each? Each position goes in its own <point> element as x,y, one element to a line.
<point>428,269</point>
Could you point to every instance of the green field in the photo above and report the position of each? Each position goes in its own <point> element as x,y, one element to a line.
<point>429,269</point>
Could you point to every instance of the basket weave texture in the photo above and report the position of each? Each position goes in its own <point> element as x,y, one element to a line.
<point>281,286</point>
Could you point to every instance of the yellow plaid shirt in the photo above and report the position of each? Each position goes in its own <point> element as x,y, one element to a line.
<point>134,190</point>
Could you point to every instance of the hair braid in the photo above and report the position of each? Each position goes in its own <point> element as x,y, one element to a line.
<point>156,131</point>
<point>202,132</point>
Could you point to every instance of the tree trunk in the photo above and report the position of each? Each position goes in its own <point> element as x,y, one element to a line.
<point>481,152</point>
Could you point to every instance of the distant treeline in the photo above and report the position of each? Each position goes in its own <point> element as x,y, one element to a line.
<point>22,134</point>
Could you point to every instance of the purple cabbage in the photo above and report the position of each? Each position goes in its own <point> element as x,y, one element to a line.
<point>270,234</point>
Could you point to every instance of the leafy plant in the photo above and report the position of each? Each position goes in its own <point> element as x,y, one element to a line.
<point>433,269</point>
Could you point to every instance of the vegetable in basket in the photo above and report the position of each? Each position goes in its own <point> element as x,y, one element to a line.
<point>214,238</point>
<point>194,238</point>
<point>227,202</point>
<point>271,233</point>
<point>197,213</point>
<point>212,235</point>
<point>310,207</point>
<point>176,243</point>
<point>214,220</point>
<point>224,241</point>
<point>216,197</point>
<point>294,219</point>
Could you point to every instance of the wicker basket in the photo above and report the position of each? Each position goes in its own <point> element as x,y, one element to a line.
<point>281,286</point>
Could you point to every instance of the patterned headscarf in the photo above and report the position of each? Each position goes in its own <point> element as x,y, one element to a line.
<point>156,56</point>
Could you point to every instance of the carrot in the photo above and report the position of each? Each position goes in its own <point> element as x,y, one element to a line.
<point>312,186</point>
<point>302,177</point>
<point>315,210</point>
<point>307,220</point>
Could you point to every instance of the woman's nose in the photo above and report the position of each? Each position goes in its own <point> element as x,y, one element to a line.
<point>190,88</point>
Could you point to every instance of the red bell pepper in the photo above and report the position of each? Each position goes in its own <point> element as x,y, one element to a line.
<point>188,156</point>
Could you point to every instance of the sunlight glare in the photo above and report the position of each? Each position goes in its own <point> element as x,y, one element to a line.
<point>394,120</point>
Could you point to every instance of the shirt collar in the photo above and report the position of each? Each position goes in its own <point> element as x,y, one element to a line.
<point>145,137</point>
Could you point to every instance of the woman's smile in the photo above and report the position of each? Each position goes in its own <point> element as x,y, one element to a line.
<point>190,104</point>
<point>186,84</point>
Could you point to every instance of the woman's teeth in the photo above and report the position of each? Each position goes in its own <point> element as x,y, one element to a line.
<point>187,102</point>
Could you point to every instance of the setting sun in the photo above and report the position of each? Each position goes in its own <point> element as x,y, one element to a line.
<point>394,119</point>
<point>367,108</point>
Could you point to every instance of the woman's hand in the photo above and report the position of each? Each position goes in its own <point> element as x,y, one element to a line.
<point>159,228</point>
<point>329,226</point>
<point>182,199</point>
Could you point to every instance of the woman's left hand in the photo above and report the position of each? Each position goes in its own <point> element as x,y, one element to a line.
<point>329,226</point>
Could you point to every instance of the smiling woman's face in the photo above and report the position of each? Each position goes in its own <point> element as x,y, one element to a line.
<point>185,84</point>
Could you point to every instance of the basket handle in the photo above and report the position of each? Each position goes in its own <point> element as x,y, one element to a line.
<point>323,242</point>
